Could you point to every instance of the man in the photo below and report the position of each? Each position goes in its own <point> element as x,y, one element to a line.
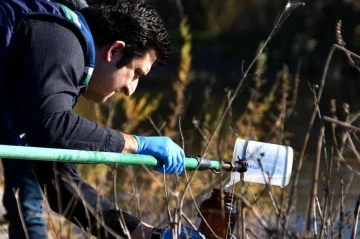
<point>49,56</point>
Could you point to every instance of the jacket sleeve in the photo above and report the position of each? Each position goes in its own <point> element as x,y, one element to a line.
<point>51,64</point>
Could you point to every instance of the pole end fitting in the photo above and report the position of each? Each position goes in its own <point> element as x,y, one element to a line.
<point>239,166</point>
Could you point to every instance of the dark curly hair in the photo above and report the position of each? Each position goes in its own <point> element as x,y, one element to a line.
<point>135,22</point>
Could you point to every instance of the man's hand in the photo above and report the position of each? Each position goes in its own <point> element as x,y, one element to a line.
<point>163,148</point>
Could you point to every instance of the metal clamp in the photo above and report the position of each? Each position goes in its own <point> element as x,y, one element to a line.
<point>204,163</point>
<point>240,166</point>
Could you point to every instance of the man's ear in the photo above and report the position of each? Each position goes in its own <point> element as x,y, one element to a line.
<point>114,51</point>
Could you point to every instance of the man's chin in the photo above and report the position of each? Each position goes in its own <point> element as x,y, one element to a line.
<point>99,99</point>
<point>102,100</point>
<point>105,98</point>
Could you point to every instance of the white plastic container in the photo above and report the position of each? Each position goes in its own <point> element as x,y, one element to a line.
<point>268,163</point>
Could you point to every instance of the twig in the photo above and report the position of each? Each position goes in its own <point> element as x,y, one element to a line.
<point>49,211</point>
<point>256,214</point>
<point>329,197</point>
<point>352,147</point>
<point>347,51</point>
<point>342,43</point>
<point>121,219</point>
<point>323,148</point>
<point>321,216</point>
<point>170,218</point>
<point>295,90</point>
<point>243,224</point>
<point>356,137</point>
<point>341,208</point>
<point>155,179</point>
<point>178,208</point>
<point>347,165</point>
<point>318,207</point>
<point>154,126</point>
<point>20,213</point>
<point>58,192</point>
<point>339,149</point>
<point>315,225</point>
<point>98,206</point>
<point>189,221</point>
<point>282,194</point>
<point>176,224</point>
<point>136,191</point>
<point>199,212</point>
<point>315,184</point>
<point>346,191</point>
<point>253,233</point>
<point>181,134</point>
<point>100,218</point>
<point>203,135</point>
<point>269,187</point>
<point>167,198</point>
<point>257,203</point>
<point>357,211</point>
<point>324,222</point>
<point>341,123</point>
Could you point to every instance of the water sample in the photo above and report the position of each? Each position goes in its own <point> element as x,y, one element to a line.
<point>268,163</point>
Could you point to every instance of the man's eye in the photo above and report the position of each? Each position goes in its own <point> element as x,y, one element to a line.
<point>139,74</point>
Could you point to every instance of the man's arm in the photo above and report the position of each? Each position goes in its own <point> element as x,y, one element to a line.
<point>130,145</point>
<point>51,64</point>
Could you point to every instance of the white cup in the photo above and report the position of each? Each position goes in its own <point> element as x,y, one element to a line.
<point>267,163</point>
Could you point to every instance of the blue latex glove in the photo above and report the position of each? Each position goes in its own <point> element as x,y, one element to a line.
<point>186,232</point>
<point>163,148</point>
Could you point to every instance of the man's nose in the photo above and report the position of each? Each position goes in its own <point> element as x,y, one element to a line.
<point>130,88</point>
<point>126,91</point>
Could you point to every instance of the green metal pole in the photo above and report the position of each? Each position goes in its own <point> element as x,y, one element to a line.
<point>83,156</point>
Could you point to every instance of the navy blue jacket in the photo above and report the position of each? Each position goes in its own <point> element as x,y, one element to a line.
<point>47,58</point>
<point>13,12</point>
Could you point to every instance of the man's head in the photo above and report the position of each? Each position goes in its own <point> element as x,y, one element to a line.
<point>130,37</point>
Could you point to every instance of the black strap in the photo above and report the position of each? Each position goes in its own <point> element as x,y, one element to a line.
<point>156,233</point>
<point>243,156</point>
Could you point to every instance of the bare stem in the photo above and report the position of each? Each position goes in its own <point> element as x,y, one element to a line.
<point>341,123</point>
<point>341,209</point>
<point>303,149</point>
<point>314,185</point>
<point>357,211</point>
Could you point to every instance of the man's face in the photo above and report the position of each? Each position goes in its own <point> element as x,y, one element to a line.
<point>107,79</point>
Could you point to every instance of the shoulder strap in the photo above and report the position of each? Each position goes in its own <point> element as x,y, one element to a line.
<point>79,20</point>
